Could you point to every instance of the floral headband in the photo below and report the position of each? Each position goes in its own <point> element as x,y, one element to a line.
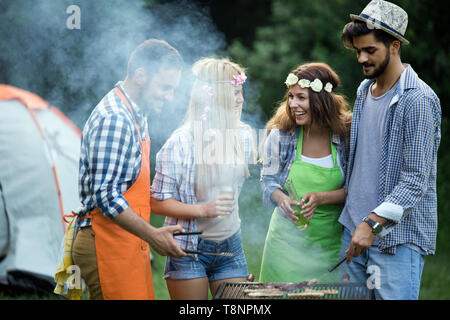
<point>208,92</point>
<point>237,80</point>
<point>316,85</point>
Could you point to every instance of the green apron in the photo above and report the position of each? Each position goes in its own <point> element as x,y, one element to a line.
<point>293,255</point>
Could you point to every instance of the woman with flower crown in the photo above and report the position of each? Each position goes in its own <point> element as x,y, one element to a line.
<point>305,156</point>
<point>200,171</point>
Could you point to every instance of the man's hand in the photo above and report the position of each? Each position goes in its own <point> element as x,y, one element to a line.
<point>162,241</point>
<point>361,240</point>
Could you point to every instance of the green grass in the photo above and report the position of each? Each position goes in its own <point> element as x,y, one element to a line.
<point>436,278</point>
<point>435,283</point>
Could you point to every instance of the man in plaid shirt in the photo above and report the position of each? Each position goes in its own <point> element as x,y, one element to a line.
<point>390,215</point>
<point>111,246</point>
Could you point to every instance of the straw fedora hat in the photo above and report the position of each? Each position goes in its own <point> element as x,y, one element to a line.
<point>386,16</point>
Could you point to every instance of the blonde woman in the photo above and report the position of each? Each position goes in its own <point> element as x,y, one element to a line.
<point>306,145</point>
<point>200,171</point>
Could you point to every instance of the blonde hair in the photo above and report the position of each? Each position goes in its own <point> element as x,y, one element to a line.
<point>212,110</point>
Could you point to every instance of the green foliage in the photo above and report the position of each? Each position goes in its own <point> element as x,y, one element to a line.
<point>436,276</point>
<point>304,31</point>
<point>299,32</point>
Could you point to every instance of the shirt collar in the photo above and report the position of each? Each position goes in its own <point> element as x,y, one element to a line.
<point>408,80</point>
<point>133,104</point>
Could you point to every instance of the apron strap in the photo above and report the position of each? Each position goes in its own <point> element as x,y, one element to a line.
<point>333,150</point>
<point>300,144</point>
<point>125,100</point>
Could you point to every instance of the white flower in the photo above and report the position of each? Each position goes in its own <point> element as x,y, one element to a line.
<point>291,80</point>
<point>328,87</point>
<point>304,83</point>
<point>316,85</point>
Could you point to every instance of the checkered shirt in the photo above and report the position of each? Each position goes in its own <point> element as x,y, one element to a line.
<point>407,179</point>
<point>175,175</point>
<point>110,157</point>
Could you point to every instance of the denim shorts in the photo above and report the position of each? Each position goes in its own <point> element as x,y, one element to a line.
<point>213,267</point>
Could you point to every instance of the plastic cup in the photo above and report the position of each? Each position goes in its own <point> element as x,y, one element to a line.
<point>226,191</point>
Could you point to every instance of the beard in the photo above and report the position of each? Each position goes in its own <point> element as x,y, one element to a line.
<point>378,71</point>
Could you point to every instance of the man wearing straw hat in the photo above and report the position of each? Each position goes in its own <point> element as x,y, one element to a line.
<point>390,215</point>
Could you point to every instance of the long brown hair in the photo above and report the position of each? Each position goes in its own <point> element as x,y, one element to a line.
<point>328,109</point>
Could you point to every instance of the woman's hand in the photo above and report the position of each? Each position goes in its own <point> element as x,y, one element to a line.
<point>310,201</point>
<point>285,205</point>
<point>220,206</point>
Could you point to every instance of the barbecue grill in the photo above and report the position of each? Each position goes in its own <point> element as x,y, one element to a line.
<point>345,291</point>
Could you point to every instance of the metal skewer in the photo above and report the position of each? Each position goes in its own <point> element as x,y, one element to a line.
<point>187,233</point>
<point>332,268</point>
<point>223,254</point>
<point>337,264</point>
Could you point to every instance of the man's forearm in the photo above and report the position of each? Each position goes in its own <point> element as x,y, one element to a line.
<point>377,218</point>
<point>160,239</point>
<point>133,223</point>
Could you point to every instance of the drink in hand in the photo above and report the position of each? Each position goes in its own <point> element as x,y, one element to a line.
<point>302,223</point>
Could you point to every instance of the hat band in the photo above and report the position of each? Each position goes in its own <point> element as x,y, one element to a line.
<point>384,25</point>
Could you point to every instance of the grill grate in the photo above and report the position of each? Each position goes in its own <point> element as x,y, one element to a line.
<point>346,291</point>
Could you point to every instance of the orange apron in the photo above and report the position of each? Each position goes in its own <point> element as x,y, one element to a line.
<point>124,259</point>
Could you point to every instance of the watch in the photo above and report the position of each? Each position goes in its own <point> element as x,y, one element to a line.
<point>376,227</point>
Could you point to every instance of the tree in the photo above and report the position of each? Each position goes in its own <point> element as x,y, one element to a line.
<point>305,31</point>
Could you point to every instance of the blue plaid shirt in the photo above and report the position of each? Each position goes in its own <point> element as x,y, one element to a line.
<point>175,175</point>
<point>407,184</point>
<point>110,157</point>
<point>280,149</point>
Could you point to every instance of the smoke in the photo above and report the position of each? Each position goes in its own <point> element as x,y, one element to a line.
<point>74,68</point>
<point>72,58</point>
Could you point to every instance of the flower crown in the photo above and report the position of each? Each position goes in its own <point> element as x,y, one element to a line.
<point>316,85</point>
<point>237,80</point>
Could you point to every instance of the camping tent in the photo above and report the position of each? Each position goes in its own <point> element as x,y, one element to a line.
<point>39,153</point>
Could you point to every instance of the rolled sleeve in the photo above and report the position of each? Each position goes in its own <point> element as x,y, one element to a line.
<point>163,187</point>
<point>417,161</point>
<point>389,211</point>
